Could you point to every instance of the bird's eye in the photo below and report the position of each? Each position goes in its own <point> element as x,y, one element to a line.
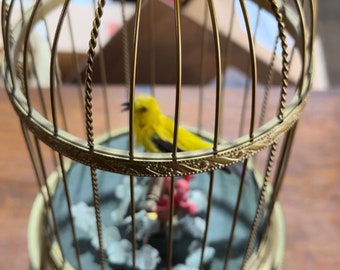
<point>143,109</point>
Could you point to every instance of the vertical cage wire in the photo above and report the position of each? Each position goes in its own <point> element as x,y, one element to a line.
<point>236,73</point>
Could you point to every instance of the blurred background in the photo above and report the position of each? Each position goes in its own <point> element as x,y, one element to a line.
<point>310,196</point>
<point>329,32</point>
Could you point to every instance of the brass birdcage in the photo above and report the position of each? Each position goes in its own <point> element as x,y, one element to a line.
<point>235,73</point>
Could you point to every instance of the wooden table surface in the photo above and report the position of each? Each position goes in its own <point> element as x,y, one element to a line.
<point>310,196</point>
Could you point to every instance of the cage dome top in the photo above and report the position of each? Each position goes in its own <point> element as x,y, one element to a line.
<point>286,67</point>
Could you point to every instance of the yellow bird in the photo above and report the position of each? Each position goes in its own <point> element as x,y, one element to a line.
<point>154,131</point>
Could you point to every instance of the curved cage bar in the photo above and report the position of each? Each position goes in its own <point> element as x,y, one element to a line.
<point>236,74</point>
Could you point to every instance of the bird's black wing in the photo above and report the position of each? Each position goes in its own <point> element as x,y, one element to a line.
<point>163,146</point>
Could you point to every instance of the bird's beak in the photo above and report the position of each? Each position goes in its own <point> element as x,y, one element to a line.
<point>125,106</point>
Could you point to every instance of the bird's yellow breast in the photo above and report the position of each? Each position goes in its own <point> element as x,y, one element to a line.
<point>150,123</point>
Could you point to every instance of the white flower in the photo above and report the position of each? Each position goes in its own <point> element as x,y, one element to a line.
<point>183,267</point>
<point>144,225</point>
<point>146,258</point>
<point>193,259</point>
<point>84,218</point>
<point>119,252</point>
<point>110,234</point>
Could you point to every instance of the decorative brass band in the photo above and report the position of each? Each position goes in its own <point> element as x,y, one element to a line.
<point>157,164</point>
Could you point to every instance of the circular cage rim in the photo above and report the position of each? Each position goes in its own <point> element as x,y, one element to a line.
<point>157,164</point>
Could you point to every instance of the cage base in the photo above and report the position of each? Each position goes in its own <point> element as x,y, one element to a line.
<point>47,254</point>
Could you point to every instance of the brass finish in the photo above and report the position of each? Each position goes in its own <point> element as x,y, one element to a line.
<point>225,37</point>
<point>139,164</point>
